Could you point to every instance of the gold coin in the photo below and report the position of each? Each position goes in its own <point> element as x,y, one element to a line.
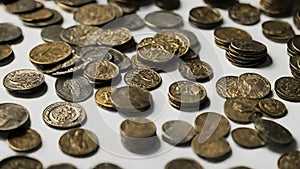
<point>50,53</point>
<point>138,128</point>
<point>247,138</point>
<point>36,16</point>
<point>196,70</point>
<point>5,52</point>
<point>227,87</point>
<point>18,162</point>
<point>25,141</point>
<point>103,97</point>
<point>143,78</point>
<point>101,70</point>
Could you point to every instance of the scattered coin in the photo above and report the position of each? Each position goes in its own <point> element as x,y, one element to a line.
<point>55,19</point>
<point>227,87</point>
<point>62,166</point>
<point>247,138</point>
<point>5,52</point>
<point>15,162</point>
<point>273,107</point>
<point>177,132</point>
<point>163,20</point>
<point>180,163</point>
<point>37,15</point>
<point>276,8</point>
<point>245,14</point>
<point>143,78</point>
<point>287,88</point>
<point>278,31</point>
<point>52,33</point>
<point>195,70</point>
<point>107,166</point>
<point>199,17</point>
<point>20,6</point>
<point>9,32</point>
<point>103,97</point>
<point>136,64</point>
<point>289,160</point>
<point>167,4</point>
<point>101,71</point>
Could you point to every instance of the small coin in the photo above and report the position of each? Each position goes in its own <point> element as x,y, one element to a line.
<point>289,160</point>
<point>163,19</point>
<point>52,33</point>
<point>17,162</point>
<point>20,6</point>
<point>272,132</point>
<point>12,116</point>
<point>143,78</point>
<point>103,97</point>
<point>79,143</point>
<point>62,166</point>
<point>25,141</point>
<point>199,17</point>
<point>180,163</point>
<point>247,138</point>
<point>138,128</point>
<point>9,32</point>
<point>273,107</point>
<point>227,87</point>
<point>64,115</point>
<point>36,16</point>
<point>107,166</point>
<point>287,88</point>
<point>101,71</point>
<point>5,52</point>
<point>116,8</point>
<point>55,19</point>
<point>195,70</point>
<point>76,89</point>
<point>245,14</point>
<point>177,132</point>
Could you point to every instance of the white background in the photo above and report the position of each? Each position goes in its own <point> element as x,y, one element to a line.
<point>106,124</point>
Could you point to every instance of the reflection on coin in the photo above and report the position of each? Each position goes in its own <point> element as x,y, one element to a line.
<point>62,166</point>
<point>24,141</point>
<point>289,160</point>
<point>103,97</point>
<point>177,132</point>
<point>107,166</point>
<point>12,116</point>
<point>143,78</point>
<point>51,33</point>
<point>247,138</point>
<point>163,19</point>
<point>9,32</point>
<point>17,162</point>
<point>195,70</point>
<point>227,87</point>
<point>273,107</point>
<point>64,115</point>
<point>181,163</point>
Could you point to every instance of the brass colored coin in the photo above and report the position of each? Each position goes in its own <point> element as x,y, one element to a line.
<point>245,14</point>
<point>177,132</point>
<point>94,14</point>
<point>114,37</point>
<point>272,132</point>
<point>205,17</point>
<point>116,8</point>
<point>103,97</point>
<point>131,22</point>
<point>91,53</point>
<point>20,6</point>
<point>107,166</point>
<point>101,70</point>
<point>74,3</point>
<point>241,110</point>
<point>247,138</point>
<point>79,142</point>
<point>62,166</point>
<point>296,43</point>
<point>9,32</point>
<point>180,163</point>
<point>289,160</point>
<point>278,31</point>
<point>138,128</point>
<point>213,148</point>
<point>227,87</point>
<point>25,141</point>
<point>5,52</point>
<point>287,88</point>
<point>12,116</point>
<point>154,53</point>
<point>273,107</point>
<point>52,33</point>
<point>50,53</point>
<point>143,78</point>
<point>61,66</point>
<point>163,19</point>
<point>66,7</point>
<point>64,115</point>
<point>17,162</point>
<point>195,70</point>
<point>55,19</point>
<point>212,124</point>
<point>69,71</point>
<point>248,46</point>
<point>36,16</point>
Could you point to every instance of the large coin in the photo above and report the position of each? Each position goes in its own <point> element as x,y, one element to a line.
<point>107,166</point>
<point>25,141</point>
<point>287,88</point>
<point>195,70</point>
<point>177,132</point>
<point>17,162</point>
<point>20,6</point>
<point>12,116</point>
<point>289,160</point>
<point>144,78</point>
<point>181,163</point>
<point>273,107</point>
<point>227,87</point>
<point>247,138</point>
<point>9,32</point>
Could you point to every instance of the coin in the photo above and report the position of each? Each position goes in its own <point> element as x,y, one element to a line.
<point>275,8</point>
<point>20,6</point>
<point>5,52</point>
<point>205,17</point>
<point>278,31</point>
<point>248,46</point>
<point>136,64</point>
<point>247,138</point>
<point>16,162</point>
<point>137,128</point>
<point>195,70</point>
<point>143,78</point>
<point>180,163</point>
<point>9,32</point>
<point>289,160</point>
<point>177,132</point>
<point>101,71</point>
<point>24,141</point>
<point>36,16</point>
<point>224,4</point>
<point>154,54</point>
<point>131,22</point>
<point>62,166</point>
<point>51,33</point>
<point>114,37</point>
<point>227,87</point>
<point>296,18</point>
<point>107,166</point>
<point>103,97</point>
<point>273,107</point>
<point>211,124</point>
<point>94,52</point>
<point>23,80</point>
<point>287,88</point>
<point>163,19</point>
<point>76,3</point>
<point>13,116</point>
<point>116,8</point>
<point>61,66</point>
<point>240,167</point>
<point>168,5</point>
<point>50,53</point>
<point>79,143</point>
<point>55,19</point>
<point>64,115</point>
<point>76,89</point>
<point>272,132</point>
<point>243,13</point>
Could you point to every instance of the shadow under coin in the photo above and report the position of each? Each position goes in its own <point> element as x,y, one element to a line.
<point>266,63</point>
<point>142,146</point>
<point>34,94</point>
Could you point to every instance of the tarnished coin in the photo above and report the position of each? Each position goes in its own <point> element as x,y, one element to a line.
<point>136,64</point>
<point>17,162</point>
<point>94,14</point>
<point>107,166</point>
<point>289,160</point>
<point>241,110</point>
<point>272,132</point>
<point>5,52</point>
<point>177,132</point>
<point>211,124</point>
<point>64,115</point>
<point>248,46</point>
<point>114,37</point>
<point>143,78</point>
<point>79,143</point>
<point>20,6</point>
<point>205,17</point>
<point>180,163</point>
<point>278,31</point>
<point>245,14</point>
<point>36,16</point>
<point>13,116</point>
<point>137,128</point>
<point>227,87</point>
<point>50,53</point>
<point>101,71</point>
<point>273,107</point>
<point>25,141</point>
<point>116,8</point>
<point>213,148</point>
<point>61,66</point>
<point>55,19</point>
<point>195,70</point>
<point>51,33</point>
<point>9,32</point>
<point>76,89</point>
<point>247,138</point>
<point>163,19</point>
<point>94,52</point>
<point>103,97</point>
<point>288,89</point>
<point>62,166</point>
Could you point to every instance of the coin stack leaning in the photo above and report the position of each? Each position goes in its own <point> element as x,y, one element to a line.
<point>168,4</point>
<point>198,17</point>
<point>246,53</point>
<point>72,6</point>
<point>293,46</point>
<point>276,8</point>
<point>296,18</point>
<point>295,66</point>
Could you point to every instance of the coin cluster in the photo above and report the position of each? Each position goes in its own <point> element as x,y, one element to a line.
<point>198,17</point>
<point>276,8</point>
<point>278,31</point>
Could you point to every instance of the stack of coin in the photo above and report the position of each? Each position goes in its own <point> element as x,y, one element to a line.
<point>10,34</point>
<point>293,46</point>
<point>198,17</point>
<point>180,97</point>
<point>296,18</point>
<point>72,6</point>
<point>168,4</point>
<point>276,8</point>
<point>221,3</point>
<point>246,53</point>
<point>287,88</point>
<point>295,66</point>
<point>278,31</point>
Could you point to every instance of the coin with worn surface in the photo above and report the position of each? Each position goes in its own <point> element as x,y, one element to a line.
<point>79,143</point>
<point>101,70</point>
<point>227,87</point>
<point>131,22</point>
<point>195,70</point>
<point>62,166</point>
<point>55,19</point>
<point>143,78</point>
<point>245,14</point>
<point>154,54</point>
<point>278,31</point>
<point>23,80</point>
<point>94,52</point>
<point>9,32</point>
<point>247,138</point>
<point>17,162</point>
<point>289,160</point>
<point>50,53</point>
<point>51,33</point>
<point>103,97</point>
<point>248,46</point>
<point>287,88</point>
<point>24,141</point>
<point>114,37</point>
<point>205,17</point>
<point>211,124</point>
<point>75,3</point>
<point>273,107</point>
<point>20,6</point>
<point>177,132</point>
<point>12,116</point>
<point>163,19</point>
<point>138,128</point>
<point>5,52</point>
<point>36,16</point>
<point>107,166</point>
<point>180,163</point>
<point>76,89</point>
<point>64,115</point>
<point>272,132</point>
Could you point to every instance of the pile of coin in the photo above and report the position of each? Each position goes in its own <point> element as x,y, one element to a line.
<point>72,6</point>
<point>287,88</point>
<point>198,17</point>
<point>276,8</point>
<point>278,31</point>
<point>246,53</point>
<point>293,46</point>
<point>290,159</point>
<point>296,18</point>
<point>168,4</point>
<point>245,14</point>
<point>221,3</point>
<point>295,66</point>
